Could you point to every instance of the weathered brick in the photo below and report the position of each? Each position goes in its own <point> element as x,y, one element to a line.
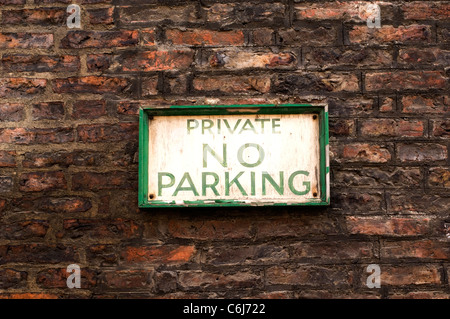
<point>40,63</point>
<point>99,181</point>
<point>48,111</point>
<point>388,226</point>
<point>37,253</point>
<point>241,255</point>
<point>246,13</point>
<point>350,107</point>
<point>150,85</point>
<point>63,205</point>
<point>21,87</point>
<point>362,34</point>
<point>6,184</point>
<point>40,16</point>
<point>335,250</point>
<point>57,278</point>
<point>421,104</point>
<point>99,62</point>
<point>428,56</point>
<point>156,60</point>
<point>8,159</point>
<point>236,60</point>
<point>131,15</point>
<point>99,39</point>
<point>339,57</point>
<point>392,128</point>
<point>228,84</point>
<point>102,254</point>
<point>89,109</point>
<point>19,2</point>
<point>91,84</point>
<point>439,177</point>
<point>312,36</point>
<point>316,276</point>
<point>165,281</point>
<point>36,136</point>
<point>23,40</point>
<point>418,249</point>
<point>199,37</point>
<point>11,278</point>
<point>92,133</point>
<point>350,201</point>
<point>316,82</point>
<point>42,181</point>
<point>441,128</point>
<point>420,152</point>
<point>30,229</point>
<point>167,254</point>
<point>128,107</point>
<point>410,274</point>
<point>101,16</point>
<point>387,104</point>
<point>195,279</point>
<point>100,228</point>
<point>362,152</point>
<point>28,296</point>
<point>377,177</point>
<point>404,80</point>
<point>127,279</point>
<point>148,37</point>
<point>12,112</point>
<point>63,159</point>
<point>263,37</point>
<point>418,203</point>
<point>424,10</point>
<point>341,128</point>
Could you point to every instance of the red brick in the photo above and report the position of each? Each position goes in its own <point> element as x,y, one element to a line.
<point>61,158</point>
<point>21,87</point>
<point>19,2</point>
<point>209,229</point>
<point>89,109</point>
<point>157,60</point>
<point>404,80</point>
<point>363,152</point>
<point>100,228</point>
<point>421,152</point>
<point>263,37</point>
<point>135,15</point>
<point>389,34</point>
<point>194,279</point>
<point>312,36</point>
<point>227,84</point>
<point>392,128</point>
<point>148,37</point>
<point>441,128</point>
<point>150,86</point>
<point>439,177</point>
<point>167,254</point>
<point>246,13</point>
<point>340,127</point>
<point>387,104</point>
<point>26,40</point>
<point>92,133</point>
<point>336,250</point>
<point>176,85</point>
<point>99,181</point>
<point>101,16</point>
<point>28,296</point>
<point>420,249</point>
<point>236,60</point>
<point>128,107</point>
<point>316,82</point>
<point>420,104</point>
<point>421,10</point>
<point>91,84</point>
<point>410,274</point>
<point>48,111</point>
<point>127,279</point>
<point>6,184</point>
<point>30,229</point>
<point>40,63</point>
<point>428,56</point>
<point>12,112</point>
<point>102,254</point>
<point>198,37</point>
<point>8,159</point>
<point>98,62</point>
<point>388,226</point>
<point>313,276</point>
<point>36,136</point>
<point>11,278</point>
<point>99,39</point>
<point>42,181</point>
<point>62,205</point>
<point>377,177</point>
<point>37,254</point>
<point>41,16</point>
<point>414,203</point>
<point>57,278</point>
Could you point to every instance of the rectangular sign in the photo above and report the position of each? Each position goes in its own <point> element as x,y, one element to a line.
<point>234,156</point>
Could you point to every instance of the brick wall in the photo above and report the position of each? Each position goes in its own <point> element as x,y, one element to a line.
<point>69,101</point>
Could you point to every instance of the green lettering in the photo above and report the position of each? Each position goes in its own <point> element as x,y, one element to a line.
<point>262,123</point>
<point>241,151</point>
<point>204,127</point>
<point>278,187</point>
<point>205,185</point>
<point>306,184</point>
<point>222,160</point>
<point>228,125</point>
<point>275,125</point>
<point>189,127</point>
<point>160,181</point>
<point>251,128</point>
<point>228,184</point>
<point>191,187</point>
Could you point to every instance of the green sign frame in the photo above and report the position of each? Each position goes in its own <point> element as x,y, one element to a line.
<point>145,114</point>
